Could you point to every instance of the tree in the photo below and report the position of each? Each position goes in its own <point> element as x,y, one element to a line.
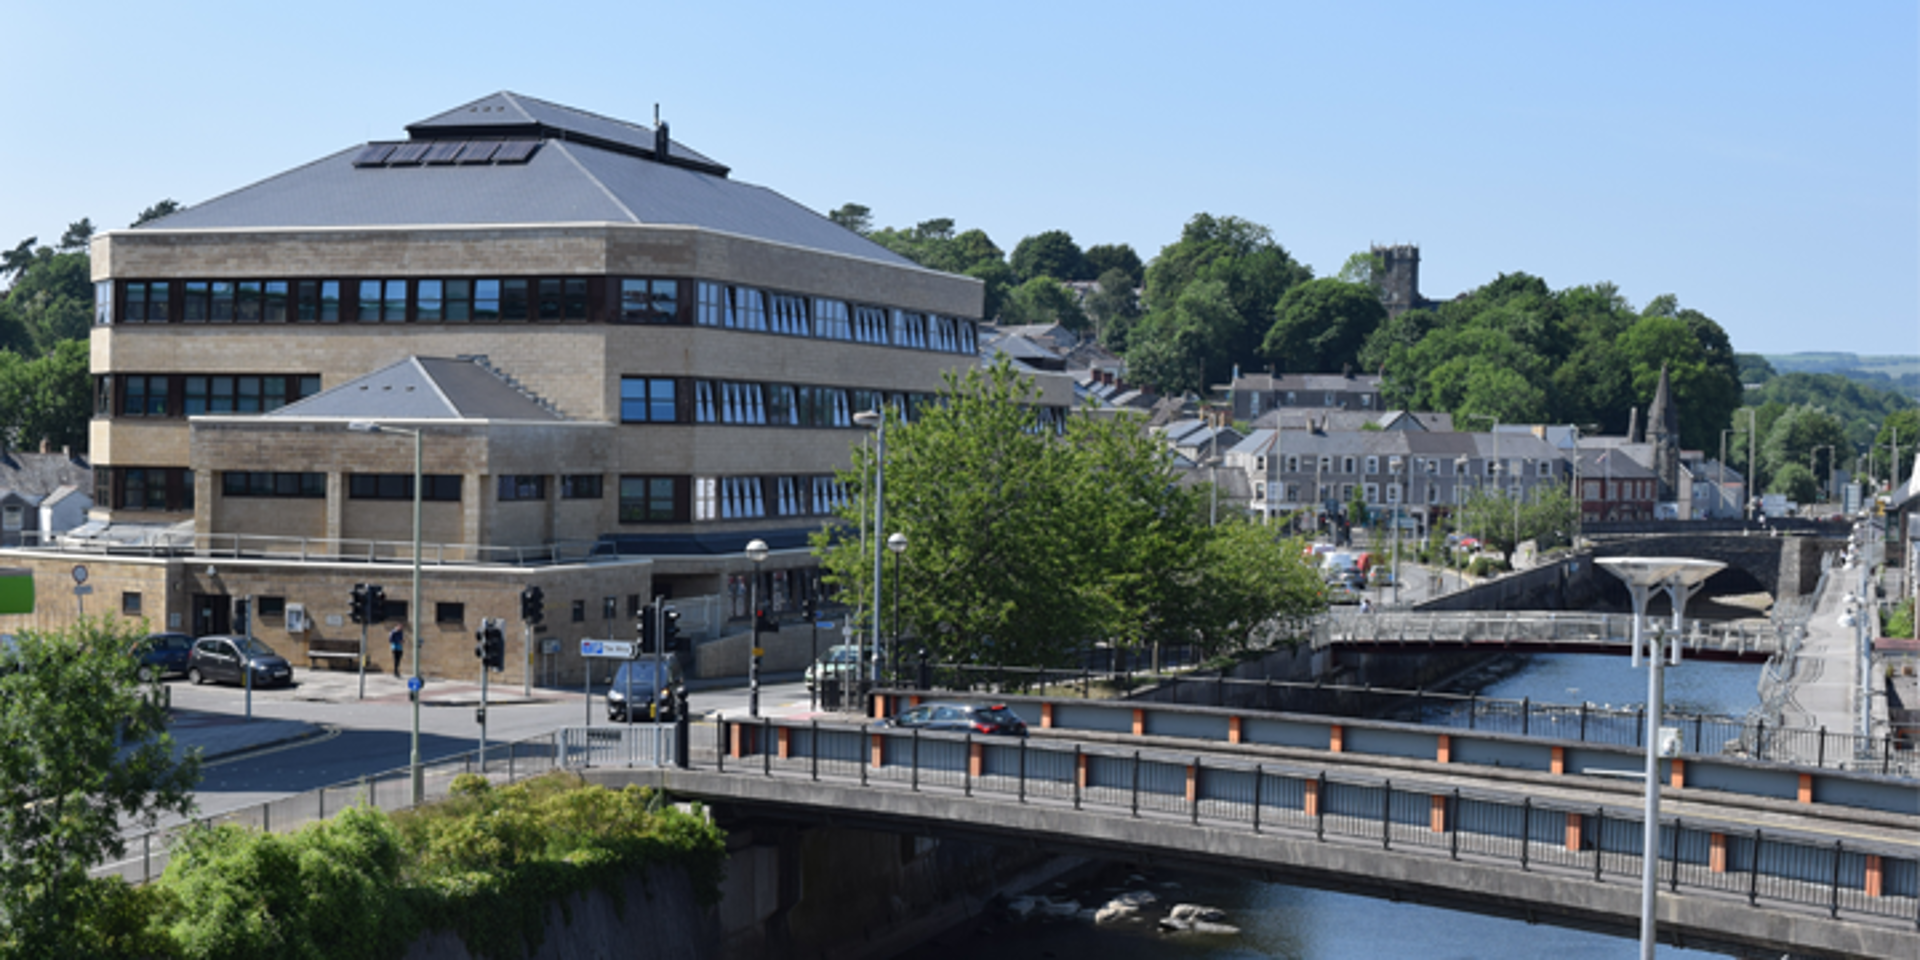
<point>155,212</point>
<point>14,262</point>
<point>1043,300</point>
<point>77,235</point>
<point>1792,439</point>
<point>1900,430</point>
<point>1025,543</point>
<point>1105,257</point>
<point>1368,269</point>
<point>1796,482</point>
<point>1250,268</point>
<point>1112,300</point>
<point>1173,349</point>
<point>854,217</point>
<point>1545,516</point>
<point>1319,326</point>
<point>83,753</point>
<point>1754,368</point>
<point>1049,254</point>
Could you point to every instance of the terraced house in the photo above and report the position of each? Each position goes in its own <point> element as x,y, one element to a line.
<point>622,365</point>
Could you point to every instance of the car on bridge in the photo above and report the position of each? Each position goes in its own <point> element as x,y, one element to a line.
<point>992,719</point>
<point>634,684</point>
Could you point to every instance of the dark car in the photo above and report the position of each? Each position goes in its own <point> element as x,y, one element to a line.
<point>218,658</point>
<point>162,654</point>
<point>634,683</point>
<point>993,719</point>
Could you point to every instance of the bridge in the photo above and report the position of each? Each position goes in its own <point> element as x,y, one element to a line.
<point>1461,821</point>
<point>1536,632</point>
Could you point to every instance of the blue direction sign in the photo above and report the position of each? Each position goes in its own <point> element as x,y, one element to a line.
<point>825,624</point>
<point>414,684</point>
<point>611,649</point>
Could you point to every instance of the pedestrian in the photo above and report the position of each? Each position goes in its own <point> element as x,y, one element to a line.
<point>398,641</point>
<point>1366,605</point>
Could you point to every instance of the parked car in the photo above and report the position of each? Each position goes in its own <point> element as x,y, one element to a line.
<point>221,658</point>
<point>1380,576</point>
<point>635,682</point>
<point>162,654</point>
<point>993,719</point>
<point>841,662</point>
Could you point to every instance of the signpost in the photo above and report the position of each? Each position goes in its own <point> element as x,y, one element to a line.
<point>601,650</point>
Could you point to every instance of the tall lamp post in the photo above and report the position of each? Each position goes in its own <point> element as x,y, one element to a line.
<point>897,544</point>
<point>1393,467</point>
<point>1681,578</point>
<point>876,420</point>
<point>757,552</point>
<point>413,608</point>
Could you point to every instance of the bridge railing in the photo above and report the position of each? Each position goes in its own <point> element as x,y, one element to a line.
<point>1752,737</point>
<point>1852,878</point>
<point>1551,629</point>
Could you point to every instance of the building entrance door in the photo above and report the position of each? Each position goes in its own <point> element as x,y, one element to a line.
<point>212,613</point>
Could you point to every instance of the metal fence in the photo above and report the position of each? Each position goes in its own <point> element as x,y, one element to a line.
<point>1572,630</point>
<point>1851,878</point>
<point>147,851</point>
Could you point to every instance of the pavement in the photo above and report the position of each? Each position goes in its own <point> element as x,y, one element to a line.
<point>1825,689</point>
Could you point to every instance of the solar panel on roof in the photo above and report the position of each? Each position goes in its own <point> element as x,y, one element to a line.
<point>515,151</point>
<point>445,152</point>
<point>479,151</point>
<point>407,153</point>
<point>374,155</point>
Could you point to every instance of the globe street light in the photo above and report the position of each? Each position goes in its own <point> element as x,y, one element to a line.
<point>1681,578</point>
<point>757,552</point>
<point>413,609</point>
<point>898,544</point>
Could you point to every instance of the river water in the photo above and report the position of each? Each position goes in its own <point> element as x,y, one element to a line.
<point>1298,923</point>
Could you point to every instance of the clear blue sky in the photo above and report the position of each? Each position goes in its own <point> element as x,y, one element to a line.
<point>1760,160</point>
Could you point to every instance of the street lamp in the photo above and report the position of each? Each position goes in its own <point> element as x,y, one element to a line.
<point>757,552</point>
<point>876,420</point>
<point>413,609</point>
<point>1681,578</point>
<point>897,543</point>
<point>1813,458</point>
<point>1393,468</point>
<point>1753,466</point>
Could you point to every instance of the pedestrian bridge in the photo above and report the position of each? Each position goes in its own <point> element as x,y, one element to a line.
<point>1537,632</point>
<point>1736,872</point>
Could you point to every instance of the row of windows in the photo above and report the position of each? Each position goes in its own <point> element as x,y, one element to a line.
<point>1604,489</point>
<point>1372,492</point>
<point>528,299</point>
<point>144,488</point>
<point>668,400</point>
<point>1432,466</point>
<point>158,395</point>
<point>678,499</point>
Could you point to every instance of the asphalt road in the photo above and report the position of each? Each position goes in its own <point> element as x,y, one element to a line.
<point>368,736</point>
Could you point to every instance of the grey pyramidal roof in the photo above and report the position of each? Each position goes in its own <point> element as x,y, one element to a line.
<point>424,388</point>
<point>586,169</point>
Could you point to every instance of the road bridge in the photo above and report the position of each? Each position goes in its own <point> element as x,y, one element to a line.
<point>1544,631</point>
<point>1737,872</point>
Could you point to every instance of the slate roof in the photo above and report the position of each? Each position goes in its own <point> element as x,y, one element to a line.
<point>424,388</point>
<point>587,169</point>
<point>36,475</point>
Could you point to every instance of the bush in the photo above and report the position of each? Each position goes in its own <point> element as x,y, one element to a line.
<point>1898,622</point>
<point>1484,565</point>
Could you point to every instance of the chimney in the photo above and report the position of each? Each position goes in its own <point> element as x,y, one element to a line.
<point>660,141</point>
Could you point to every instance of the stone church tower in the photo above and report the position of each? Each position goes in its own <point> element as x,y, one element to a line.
<point>1399,278</point>
<point>1663,434</point>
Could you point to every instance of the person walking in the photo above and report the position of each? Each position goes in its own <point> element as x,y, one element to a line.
<point>398,641</point>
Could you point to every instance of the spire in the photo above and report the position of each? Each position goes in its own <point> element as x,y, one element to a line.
<point>1660,413</point>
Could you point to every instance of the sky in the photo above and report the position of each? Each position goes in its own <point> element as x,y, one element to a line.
<point>1758,160</point>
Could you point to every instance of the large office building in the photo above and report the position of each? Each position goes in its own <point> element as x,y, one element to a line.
<point>618,365</point>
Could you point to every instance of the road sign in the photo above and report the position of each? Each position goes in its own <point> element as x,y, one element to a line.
<point>609,649</point>
<point>413,684</point>
<point>825,624</point>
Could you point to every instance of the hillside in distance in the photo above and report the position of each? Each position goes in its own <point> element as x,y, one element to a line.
<point>1888,371</point>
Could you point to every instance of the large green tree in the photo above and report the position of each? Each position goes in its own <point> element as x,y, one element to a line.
<point>84,753</point>
<point>1102,257</point>
<point>1026,542</point>
<point>1320,325</point>
<point>1807,437</point>
<point>1049,254</point>
<point>1043,300</point>
<point>1244,269</point>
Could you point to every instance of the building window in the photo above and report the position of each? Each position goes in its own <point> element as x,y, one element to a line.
<point>317,301</point>
<point>649,499</point>
<point>271,606</point>
<point>399,486</point>
<point>244,394</point>
<point>1346,465</point>
<point>789,315</point>
<point>580,486</point>
<point>242,483</point>
<point>449,613</point>
<point>649,301</point>
<point>1373,465</point>
<point>129,604</point>
<point>647,400</point>
<point>146,302</point>
<point>143,396</point>
<point>609,607</point>
<point>561,298</point>
<point>830,319</point>
<point>383,301</point>
<point>150,488</point>
<point>579,611</point>
<point>523,487</point>
<point>1373,493</point>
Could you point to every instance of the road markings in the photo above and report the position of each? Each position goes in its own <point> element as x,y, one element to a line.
<point>328,732</point>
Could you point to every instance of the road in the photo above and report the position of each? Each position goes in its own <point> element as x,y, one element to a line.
<point>360,737</point>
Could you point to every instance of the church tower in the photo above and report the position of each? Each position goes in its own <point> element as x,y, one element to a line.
<point>1663,433</point>
<point>1399,278</point>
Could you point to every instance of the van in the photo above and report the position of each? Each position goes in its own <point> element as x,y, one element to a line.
<point>634,682</point>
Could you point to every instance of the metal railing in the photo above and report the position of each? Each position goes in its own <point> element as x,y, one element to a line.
<point>148,851</point>
<point>1572,630</point>
<point>334,549</point>
<point>1856,879</point>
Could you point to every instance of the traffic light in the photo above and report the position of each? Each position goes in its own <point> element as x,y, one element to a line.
<point>376,603</point>
<point>492,646</point>
<point>533,604</point>
<point>357,603</point>
<point>647,632</point>
<point>810,608</point>
<point>763,619</point>
<point>674,641</point>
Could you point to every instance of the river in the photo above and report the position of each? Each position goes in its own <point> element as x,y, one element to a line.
<point>1299,923</point>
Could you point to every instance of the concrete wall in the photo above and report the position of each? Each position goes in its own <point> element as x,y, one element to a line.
<point>653,917</point>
